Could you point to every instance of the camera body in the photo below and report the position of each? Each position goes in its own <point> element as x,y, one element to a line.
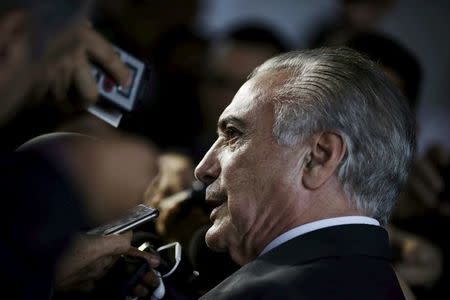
<point>115,100</point>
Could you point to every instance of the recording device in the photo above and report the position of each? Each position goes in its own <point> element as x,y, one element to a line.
<point>174,269</point>
<point>134,218</point>
<point>128,271</point>
<point>115,100</point>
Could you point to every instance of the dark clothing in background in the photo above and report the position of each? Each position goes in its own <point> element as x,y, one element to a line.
<point>432,226</point>
<point>40,213</point>
<point>339,262</point>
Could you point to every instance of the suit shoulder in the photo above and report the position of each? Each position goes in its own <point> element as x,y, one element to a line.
<point>356,277</point>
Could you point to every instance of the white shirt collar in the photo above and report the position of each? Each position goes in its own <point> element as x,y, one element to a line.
<point>316,225</point>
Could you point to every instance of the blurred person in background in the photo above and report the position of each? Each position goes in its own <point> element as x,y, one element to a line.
<point>419,262</point>
<point>29,37</point>
<point>354,17</point>
<point>46,203</point>
<point>162,34</point>
<point>88,124</point>
<point>28,259</point>
<point>177,220</point>
<point>229,60</point>
<point>397,62</point>
<point>110,175</point>
<point>56,60</point>
<point>140,25</point>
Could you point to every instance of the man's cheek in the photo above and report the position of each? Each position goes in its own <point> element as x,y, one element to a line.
<point>241,206</point>
<point>233,171</point>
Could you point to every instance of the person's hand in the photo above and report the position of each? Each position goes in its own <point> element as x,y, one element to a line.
<point>91,257</point>
<point>424,185</point>
<point>176,173</point>
<point>167,194</point>
<point>88,259</point>
<point>420,261</point>
<point>72,71</point>
<point>150,281</point>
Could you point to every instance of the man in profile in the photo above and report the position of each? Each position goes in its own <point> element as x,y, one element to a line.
<point>310,157</point>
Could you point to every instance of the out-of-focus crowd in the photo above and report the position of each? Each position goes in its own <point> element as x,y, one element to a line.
<point>65,170</point>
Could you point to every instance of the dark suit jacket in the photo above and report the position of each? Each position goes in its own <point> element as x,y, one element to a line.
<point>339,262</point>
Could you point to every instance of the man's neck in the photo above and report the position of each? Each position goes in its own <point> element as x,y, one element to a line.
<point>298,208</point>
<point>316,225</point>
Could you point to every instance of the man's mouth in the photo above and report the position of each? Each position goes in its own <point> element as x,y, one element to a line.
<point>215,212</point>
<point>214,197</point>
<point>215,200</point>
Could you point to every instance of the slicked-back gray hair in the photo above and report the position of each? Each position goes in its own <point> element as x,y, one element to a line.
<point>339,90</point>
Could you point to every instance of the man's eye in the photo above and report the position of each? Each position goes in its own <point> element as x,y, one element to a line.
<point>231,132</point>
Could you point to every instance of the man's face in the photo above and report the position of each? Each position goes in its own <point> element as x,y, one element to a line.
<point>250,176</point>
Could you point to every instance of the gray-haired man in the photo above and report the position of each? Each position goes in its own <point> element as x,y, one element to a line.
<point>310,157</point>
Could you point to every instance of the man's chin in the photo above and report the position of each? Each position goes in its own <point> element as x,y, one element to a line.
<point>214,240</point>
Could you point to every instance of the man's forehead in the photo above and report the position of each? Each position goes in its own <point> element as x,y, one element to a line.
<point>244,102</point>
<point>256,92</point>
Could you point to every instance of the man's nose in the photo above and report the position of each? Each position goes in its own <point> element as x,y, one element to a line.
<point>209,168</point>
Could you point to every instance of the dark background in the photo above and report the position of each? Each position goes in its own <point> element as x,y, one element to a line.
<point>422,26</point>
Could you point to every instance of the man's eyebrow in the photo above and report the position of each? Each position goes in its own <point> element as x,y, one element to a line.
<point>230,119</point>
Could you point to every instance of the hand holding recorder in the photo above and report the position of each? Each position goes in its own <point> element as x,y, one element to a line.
<point>73,71</point>
<point>92,256</point>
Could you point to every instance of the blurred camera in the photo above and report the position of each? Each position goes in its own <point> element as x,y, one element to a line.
<point>115,100</point>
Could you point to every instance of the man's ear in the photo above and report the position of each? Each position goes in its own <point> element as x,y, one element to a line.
<point>327,151</point>
<point>13,41</point>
